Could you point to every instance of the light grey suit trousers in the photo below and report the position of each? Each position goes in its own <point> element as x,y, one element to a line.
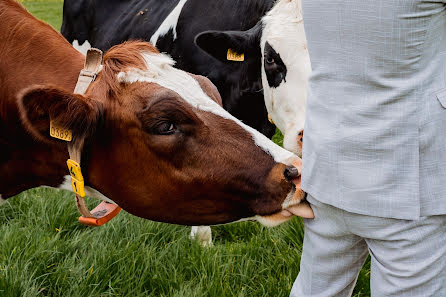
<point>408,256</point>
<point>374,154</point>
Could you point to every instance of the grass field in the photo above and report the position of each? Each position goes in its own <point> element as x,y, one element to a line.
<point>45,252</point>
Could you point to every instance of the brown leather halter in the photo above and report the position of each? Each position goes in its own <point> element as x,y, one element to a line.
<point>105,211</point>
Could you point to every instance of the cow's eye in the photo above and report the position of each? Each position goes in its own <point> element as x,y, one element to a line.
<point>269,60</point>
<point>165,128</point>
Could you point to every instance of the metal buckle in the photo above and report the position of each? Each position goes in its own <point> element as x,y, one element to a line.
<point>87,73</point>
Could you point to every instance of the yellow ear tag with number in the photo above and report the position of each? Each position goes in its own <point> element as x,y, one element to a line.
<point>59,133</point>
<point>77,180</point>
<point>234,56</point>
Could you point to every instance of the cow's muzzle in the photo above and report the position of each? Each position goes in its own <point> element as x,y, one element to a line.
<point>294,203</point>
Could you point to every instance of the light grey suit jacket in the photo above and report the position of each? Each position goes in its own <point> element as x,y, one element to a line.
<point>375,132</point>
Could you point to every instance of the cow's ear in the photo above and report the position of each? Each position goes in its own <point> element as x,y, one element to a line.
<point>67,111</point>
<point>209,88</point>
<point>230,46</point>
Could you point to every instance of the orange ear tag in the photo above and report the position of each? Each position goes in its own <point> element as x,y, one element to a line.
<point>77,180</point>
<point>234,56</point>
<point>59,133</point>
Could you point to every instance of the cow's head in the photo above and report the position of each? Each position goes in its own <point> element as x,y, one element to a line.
<point>277,45</point>
<point>285,69</point>
<point>241,88</point>
<point>160,145</point>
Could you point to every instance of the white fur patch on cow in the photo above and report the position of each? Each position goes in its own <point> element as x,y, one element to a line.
<point>161,71</point>
<point>289,200</point>
<point>2,200</point>
<point>82,48</point>
<point>169,23</point>
<point>284,30</point>
<point>265,221</point>
<point>90,192</point>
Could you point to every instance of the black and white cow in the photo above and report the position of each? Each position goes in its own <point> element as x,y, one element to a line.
<point>285,64</point>
<point>173,25</point>
<point>285,70</point>
<point>265,38</point>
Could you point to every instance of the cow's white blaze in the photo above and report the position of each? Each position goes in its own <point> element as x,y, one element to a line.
<point>82,48</point>
<point>283,29</point>
<point>90,192</point>
<point>170,23</point>
<point>161,71</point>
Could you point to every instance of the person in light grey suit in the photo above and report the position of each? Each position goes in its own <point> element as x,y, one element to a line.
<point>374,154</point>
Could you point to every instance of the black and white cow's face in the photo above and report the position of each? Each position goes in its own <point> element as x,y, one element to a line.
<point>275,57</point>
<point>239,51</point>
<point>285,70</point>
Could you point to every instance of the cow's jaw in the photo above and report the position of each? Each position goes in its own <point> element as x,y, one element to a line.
<point>284,32</point>
<point>291,206</point>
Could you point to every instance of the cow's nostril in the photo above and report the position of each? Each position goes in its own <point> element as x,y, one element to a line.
<point>291,173</point>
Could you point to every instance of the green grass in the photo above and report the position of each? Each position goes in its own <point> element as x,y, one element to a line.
<point>49,11</point>
<point>44,251</point>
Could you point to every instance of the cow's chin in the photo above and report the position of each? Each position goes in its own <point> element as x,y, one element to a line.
<point>294,205</point>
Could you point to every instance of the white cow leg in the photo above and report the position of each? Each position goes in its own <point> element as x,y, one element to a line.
<point>202,234</point>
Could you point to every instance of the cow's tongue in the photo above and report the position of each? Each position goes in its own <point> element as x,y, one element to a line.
<point>302,209</point>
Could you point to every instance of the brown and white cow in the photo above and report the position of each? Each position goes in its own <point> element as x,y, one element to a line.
<point>157,142</point>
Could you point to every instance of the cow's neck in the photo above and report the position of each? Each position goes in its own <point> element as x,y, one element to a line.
<point>35,164</point>
<point>32,53</point>
<point>29,164</point>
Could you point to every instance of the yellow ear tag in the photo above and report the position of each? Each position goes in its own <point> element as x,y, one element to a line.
<point>77,180</point>
<point>234,56</point>
<point>59,133</point>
